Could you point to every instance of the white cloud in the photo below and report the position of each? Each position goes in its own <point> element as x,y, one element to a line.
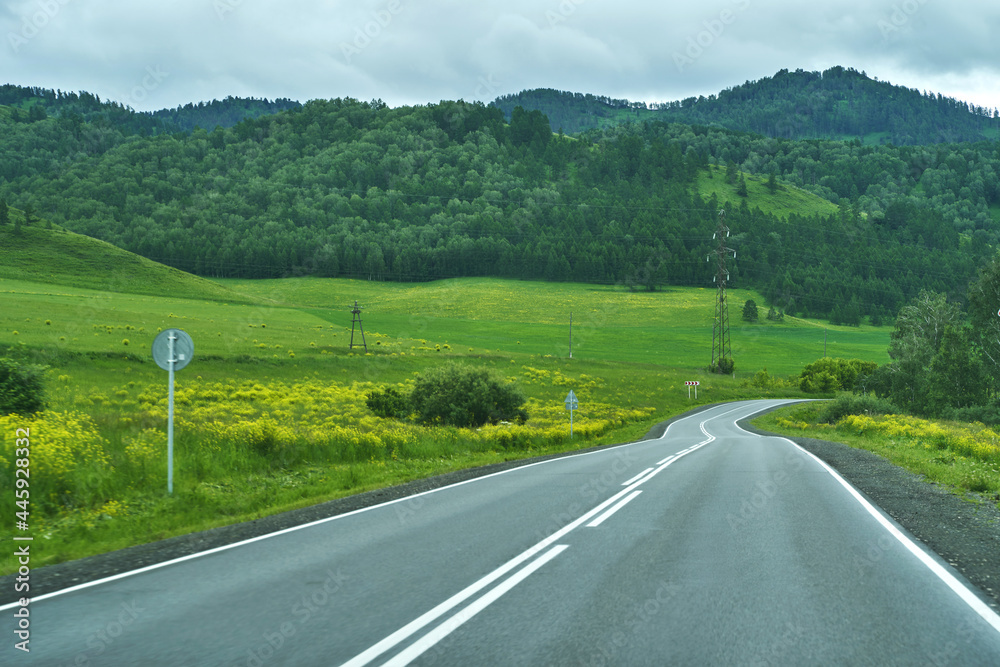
<point>420,51</point>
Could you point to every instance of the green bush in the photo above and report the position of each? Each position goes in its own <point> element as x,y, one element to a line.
<point>388,403</point>
<point>724,366</point>
<point>763,380</point>
<point>463,396</point>
<point>826,374</point>
<point>855,404</point>
<point>21,388</point>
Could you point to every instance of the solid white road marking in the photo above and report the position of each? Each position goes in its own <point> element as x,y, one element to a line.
<point>639,476</point>
<point>453,623</point>
<point>621,503</point>
<point>410,628</point>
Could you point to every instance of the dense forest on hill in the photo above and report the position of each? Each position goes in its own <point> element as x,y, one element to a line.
<point>838,103</point>
<point>349,188</point>
<point>29,104</point>
<point>961,182</point>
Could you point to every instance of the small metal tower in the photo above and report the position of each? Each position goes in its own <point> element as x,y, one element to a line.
<point>722,353</point>
<point>357,322</point>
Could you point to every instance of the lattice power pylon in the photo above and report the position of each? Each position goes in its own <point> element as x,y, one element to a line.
<point>356,322</point>
<point>722,352</point>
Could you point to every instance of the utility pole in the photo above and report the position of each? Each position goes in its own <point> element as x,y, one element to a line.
<point>357,321</point>
<point>722,353</point>
<point>571,335</point>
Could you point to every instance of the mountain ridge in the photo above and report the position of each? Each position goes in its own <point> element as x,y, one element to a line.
<point>838,104</point>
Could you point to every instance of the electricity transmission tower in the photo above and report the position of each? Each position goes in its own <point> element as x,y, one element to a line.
<point>357,321</point>
<point>722,353</point>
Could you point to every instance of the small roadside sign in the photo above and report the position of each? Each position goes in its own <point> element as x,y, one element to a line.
<point>172,351</point>
<point>692,383</point>
<point>571,405</point>
<point>571,402</point>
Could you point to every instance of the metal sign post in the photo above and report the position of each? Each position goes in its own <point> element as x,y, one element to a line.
<point>692,383</point>
<point>172,351</point>
<point>571,405</point>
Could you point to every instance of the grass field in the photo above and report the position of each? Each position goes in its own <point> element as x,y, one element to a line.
<point>270,412</point>
<point>787,199</point>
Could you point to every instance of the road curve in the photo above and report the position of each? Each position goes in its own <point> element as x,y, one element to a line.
<point>709,545</point>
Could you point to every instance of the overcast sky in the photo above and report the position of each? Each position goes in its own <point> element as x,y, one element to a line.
<point>152,55</point>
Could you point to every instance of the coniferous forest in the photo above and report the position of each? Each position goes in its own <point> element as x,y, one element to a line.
<point>259,189</point>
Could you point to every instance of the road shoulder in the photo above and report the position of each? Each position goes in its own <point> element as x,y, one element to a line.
<point>964,529</point>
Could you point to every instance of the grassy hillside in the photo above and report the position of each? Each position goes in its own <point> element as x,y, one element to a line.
<point>787,199</point>
<point>672,327</point>
<point>59,257</point>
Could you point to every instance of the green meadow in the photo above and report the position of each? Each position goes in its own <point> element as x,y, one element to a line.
<point>787,199</point>
<point>270,412</point>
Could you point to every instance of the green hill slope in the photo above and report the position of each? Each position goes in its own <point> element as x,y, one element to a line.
<point>784,201</point>
<point>60,257</point>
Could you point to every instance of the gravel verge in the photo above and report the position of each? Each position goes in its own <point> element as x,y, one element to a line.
<point>965,531</point>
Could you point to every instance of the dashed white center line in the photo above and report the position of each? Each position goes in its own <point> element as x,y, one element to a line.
<point>637,477</point>
<point>620,504</point>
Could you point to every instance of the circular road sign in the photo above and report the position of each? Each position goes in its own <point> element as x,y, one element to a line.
<point>183,349</point>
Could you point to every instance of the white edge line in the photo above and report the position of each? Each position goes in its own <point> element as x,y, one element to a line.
<point>456,621</point>
<point>620,504</point>
<point>640,475</point>
<point>960,589</point>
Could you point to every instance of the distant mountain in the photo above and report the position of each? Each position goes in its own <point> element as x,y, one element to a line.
<point>224,113</point>
<point>840,103</point>
<point>30,104</point>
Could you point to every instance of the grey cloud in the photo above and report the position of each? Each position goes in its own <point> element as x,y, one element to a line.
<point>420,51</point>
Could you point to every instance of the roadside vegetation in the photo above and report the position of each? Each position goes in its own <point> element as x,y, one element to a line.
<point>964,456</point>
<point>273,412</point>
<point>935,407</point>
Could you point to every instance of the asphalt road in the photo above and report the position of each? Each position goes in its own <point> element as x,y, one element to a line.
<point>708,546</point>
